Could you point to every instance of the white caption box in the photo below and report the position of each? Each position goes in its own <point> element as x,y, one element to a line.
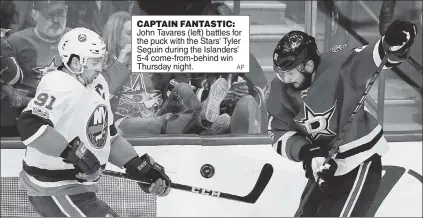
<point>184,44</point>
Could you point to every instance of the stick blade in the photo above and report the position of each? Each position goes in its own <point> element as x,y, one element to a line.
<point>264,178</point>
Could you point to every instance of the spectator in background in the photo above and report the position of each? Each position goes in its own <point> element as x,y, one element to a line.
<point>175,7</point>
<point>7,17</point>
<point>243,102</point>
<point>142,110</point>
<point>22,16</point>
<point>134,8</point>
<point>245,99</point>
<point>35,50</point>
<point>295,11</point>
<point>92,14</point>
<point>128,6</point>
<point>10,76</point>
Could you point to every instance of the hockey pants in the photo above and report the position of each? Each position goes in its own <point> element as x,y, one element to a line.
<point>350,195</point>
<point>79,205</point>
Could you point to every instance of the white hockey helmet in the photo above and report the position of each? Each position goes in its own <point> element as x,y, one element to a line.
<point>82,42</point>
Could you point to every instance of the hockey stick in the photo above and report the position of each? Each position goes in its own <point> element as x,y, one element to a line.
<point>263,179</point>
<point>338,139</point>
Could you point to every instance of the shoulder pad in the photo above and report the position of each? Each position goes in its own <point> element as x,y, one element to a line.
<point>58,80</point>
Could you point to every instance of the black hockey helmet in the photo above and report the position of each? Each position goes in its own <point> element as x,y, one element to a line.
<point>296,47</point>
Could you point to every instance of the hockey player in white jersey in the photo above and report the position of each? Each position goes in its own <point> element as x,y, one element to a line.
<point>70,136</point>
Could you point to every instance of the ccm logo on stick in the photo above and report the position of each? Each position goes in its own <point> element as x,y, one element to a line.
<point>205,192</point>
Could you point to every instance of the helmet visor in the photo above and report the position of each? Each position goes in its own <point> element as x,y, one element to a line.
<point>289,60</point>
<point>288,76</point>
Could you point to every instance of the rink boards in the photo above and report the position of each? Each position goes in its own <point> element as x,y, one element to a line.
<point>236,170</point>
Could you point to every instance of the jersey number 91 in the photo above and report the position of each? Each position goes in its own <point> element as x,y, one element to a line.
<point>45,100</point>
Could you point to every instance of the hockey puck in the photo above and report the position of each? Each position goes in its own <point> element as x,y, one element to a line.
<point>207,171</point>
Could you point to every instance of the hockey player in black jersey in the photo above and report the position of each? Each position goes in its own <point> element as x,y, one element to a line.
<point>312,97</point>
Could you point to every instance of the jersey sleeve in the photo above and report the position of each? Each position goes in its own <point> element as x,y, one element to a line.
<point>121,151</point>
<point>364,61</point>
<point>6,48</point>
<point>24,53</point>
<point>286,140</point>
<point>11,73</point>
<point>37,121</point>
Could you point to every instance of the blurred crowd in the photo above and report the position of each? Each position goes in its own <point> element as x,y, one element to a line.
<point>143,103</point>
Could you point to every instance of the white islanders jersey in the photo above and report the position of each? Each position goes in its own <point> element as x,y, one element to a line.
<point>74,110</point>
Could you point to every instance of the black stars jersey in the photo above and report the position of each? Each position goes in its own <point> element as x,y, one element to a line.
<point>318,114</point>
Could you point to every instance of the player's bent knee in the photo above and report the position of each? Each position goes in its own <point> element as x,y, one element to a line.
<point>98,208</point>
<point>46,206</point>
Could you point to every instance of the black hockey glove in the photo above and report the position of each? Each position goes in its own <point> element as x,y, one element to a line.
<point>145,169</point>
<point>83,159</point>
<point>307,153</point>
<point>399,37</point>
<point>313,158</point>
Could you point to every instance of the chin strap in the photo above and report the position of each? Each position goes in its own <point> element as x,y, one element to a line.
<point>77,74</point>
<point>79,78</point>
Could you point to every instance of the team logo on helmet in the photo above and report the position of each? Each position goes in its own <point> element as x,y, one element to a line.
<point>337,48</point>
<point>82,37</point>
<point>98,126</point>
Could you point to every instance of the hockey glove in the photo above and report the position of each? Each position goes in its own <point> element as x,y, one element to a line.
<point>399,38</point>
<point>83,159</point>
<point>313,158</point>
<point>145,169</point>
